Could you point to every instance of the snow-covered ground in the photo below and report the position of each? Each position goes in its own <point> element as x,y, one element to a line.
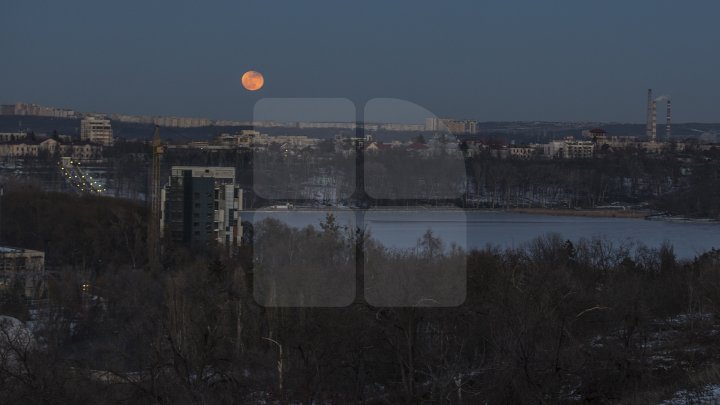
<point>709,394</point>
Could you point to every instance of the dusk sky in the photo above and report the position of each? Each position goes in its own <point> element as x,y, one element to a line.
<point>486,60</point>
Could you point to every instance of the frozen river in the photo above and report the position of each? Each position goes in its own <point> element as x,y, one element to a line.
<point>477,229</point>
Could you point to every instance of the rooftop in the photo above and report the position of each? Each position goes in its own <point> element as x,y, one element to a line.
<point>7,249</point>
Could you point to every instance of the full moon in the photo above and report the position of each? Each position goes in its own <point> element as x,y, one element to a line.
<point>252,80</point>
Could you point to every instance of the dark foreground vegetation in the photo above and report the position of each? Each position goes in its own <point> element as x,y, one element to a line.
<point>551,322</point>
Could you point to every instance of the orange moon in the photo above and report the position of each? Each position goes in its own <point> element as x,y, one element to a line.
<point>252,80</point>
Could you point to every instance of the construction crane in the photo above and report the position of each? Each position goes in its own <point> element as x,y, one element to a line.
<point>155,202</point>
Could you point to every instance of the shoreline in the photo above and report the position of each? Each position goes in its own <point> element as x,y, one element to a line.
<point>595,213</point>
<point>561,212</point>
<point>558,212</point>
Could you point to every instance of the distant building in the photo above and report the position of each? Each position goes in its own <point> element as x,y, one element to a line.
<point>202,205</point>
<point>81,150</point>
<point>401,127</point>
<point>553,149</point>
<point>376,147</point>
<point>578,150</point>
<point>452,125</point>
<point>22,267</point>
<point>230,123</point>
<point>522,152</point>
<point>251,138</point>
<point>654,147</point>
<point>432,124</point>
<point>134,119</point>
<point>50,147</point>
<point>96,130</point>
<point>597,135</point>
<point>12,136</point>
<point>36,110</point>
<point>176,122</point>
<point>181,122</point>
<point>569,149</point>
<point>338,125</point>
<point>21,148</point>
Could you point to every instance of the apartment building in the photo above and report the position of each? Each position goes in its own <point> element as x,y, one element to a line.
<point>24,268</point>
<point>202,205</point>
<point>96,130</point>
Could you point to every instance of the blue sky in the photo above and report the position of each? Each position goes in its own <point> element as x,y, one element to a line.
<point>487,60</point>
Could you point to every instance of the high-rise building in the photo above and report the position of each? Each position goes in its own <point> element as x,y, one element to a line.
<point>202,205</point>
<point>96,130</point>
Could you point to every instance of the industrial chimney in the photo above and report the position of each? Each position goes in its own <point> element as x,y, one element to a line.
<point>648,115</point>
<point>653,122</point>
<point>668,121</point>
<point>651,128</point>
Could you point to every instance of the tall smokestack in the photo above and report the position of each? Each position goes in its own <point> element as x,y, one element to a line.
<point>668,121</point>
<point>648,115</point>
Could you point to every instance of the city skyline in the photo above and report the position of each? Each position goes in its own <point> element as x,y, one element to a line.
<point>375,113</point>
<point>491,61</point>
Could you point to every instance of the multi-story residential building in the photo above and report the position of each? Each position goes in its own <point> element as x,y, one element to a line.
<point>202,205</point>
<point>452,125</point>
<point>96,130</point>
<point>23,267</point>
<point>578,149</point>
<point>181,122</point>
<point>36,110</point>
<point>134,119</point>
<point>432,124</point>
<point>401,127</point>
<point>338,125</point>
<point>176,122</point>
<point>569,149</point>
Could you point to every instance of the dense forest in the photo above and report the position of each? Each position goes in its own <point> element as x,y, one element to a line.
<point>288,320</point>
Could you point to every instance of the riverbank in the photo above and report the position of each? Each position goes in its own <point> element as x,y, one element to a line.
<point>557,212</point>
<point>560,212</point>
